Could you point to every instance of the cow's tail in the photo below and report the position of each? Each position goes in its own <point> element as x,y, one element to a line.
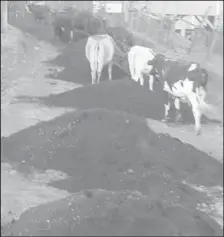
<point>96,57</point>
<point>204,107</point>
<point>99,56</point>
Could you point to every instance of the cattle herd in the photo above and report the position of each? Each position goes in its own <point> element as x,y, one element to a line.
<point>180,81</point>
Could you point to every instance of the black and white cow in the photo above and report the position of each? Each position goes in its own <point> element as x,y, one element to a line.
<point>64,21</point>
<point>63,24</point>
<point>40,11</point>
<point>182,82</point>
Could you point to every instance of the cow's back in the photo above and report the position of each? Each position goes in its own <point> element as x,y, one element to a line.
<point>174,71</point>
<point>106,43</point>
<point>141,55</point>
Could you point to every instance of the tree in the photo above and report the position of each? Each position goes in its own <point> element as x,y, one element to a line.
<point>4,16</point>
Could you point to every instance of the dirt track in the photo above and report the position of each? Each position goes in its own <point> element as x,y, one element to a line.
<point>112,149</point>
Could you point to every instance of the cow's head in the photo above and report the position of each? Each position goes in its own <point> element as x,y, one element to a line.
<point>28,7</point>
<point>40,7</point>
<point>158,66</point>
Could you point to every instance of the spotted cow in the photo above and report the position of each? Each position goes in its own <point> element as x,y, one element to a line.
<point>40,11</point>
<point>182,82</point>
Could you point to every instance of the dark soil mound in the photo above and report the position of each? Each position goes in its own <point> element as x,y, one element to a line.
<point>104,145</point>
<point>112,213</point>
<point>114,151</point>
<point>119,95</point>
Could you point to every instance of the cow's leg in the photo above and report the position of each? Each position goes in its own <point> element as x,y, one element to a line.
<point>71,36</point>
<point>93,74</point>
<point>197,119</point>
<point>167,105</point>
<point>151,80</point>
<point>132,72</point>
<point>98,76</point>
<point>131,66</point>
<point>201,93</point>
<point>58,32</point>
<point>136,76</point>
<point>166,114</point>
<point>141,79</point>
<point>110,66</point>
<point>177,107</point>
<point>196,112</point>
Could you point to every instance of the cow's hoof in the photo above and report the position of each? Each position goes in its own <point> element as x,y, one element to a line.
<point>198,132</point>
<point>178,118</point>
<point>165,120</point>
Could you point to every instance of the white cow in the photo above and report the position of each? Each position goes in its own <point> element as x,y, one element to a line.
<point>138,57</point>
<point>100,51</point>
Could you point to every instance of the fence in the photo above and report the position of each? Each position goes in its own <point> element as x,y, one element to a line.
<point>148,31</point>
<point>153,31</point>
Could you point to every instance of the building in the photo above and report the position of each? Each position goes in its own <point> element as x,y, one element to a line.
<point>190,12</point>
<point>114,6</point>
<point>188,8</point>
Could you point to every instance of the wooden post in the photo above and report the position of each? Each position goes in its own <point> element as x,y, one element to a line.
<point>131,20</point>
<point>211,48</point>
<point>200,26</point>
<point>4,16</point>
<point>161,29</point>
<point>126,11</point>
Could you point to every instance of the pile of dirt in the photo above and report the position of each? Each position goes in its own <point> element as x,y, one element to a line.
<point>99,149</point>
<point>105,213</point>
